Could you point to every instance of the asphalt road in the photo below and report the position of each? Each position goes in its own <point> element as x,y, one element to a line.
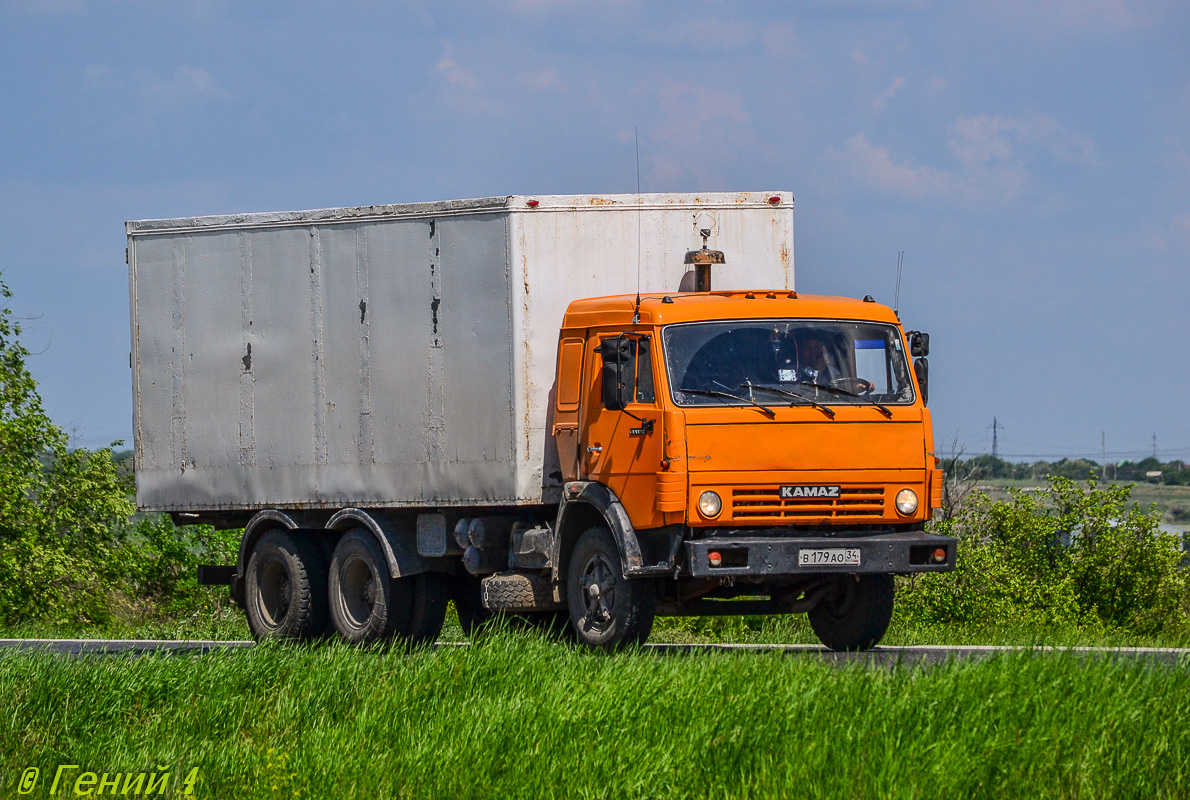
<point>885,656</point>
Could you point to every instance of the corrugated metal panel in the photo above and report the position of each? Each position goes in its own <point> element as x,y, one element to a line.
<point>390,355</point>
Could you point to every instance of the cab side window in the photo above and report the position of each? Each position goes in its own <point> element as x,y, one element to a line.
<point>645,393</point>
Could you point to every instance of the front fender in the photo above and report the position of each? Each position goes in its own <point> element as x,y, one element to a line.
<point>579,496</point>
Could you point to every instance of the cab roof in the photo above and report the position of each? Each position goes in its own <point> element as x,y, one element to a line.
<point>665,309</point>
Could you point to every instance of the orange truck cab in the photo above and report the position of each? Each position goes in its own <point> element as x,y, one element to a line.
<point>747,452</point>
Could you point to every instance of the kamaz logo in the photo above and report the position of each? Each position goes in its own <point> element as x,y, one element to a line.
<point>793,492</point>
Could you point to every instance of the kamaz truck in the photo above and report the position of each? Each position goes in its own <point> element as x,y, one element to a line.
<point>574,411</point>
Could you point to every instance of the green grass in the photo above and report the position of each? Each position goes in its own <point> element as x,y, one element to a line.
<point>518,716</point>
<point>226,623</point>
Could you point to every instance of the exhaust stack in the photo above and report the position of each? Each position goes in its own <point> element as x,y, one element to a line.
<point>702,261</point>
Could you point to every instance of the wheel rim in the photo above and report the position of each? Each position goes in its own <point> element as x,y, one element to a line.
<point>598,585</point>
<point>358,591</point>
<point>274,594</point>
<point>840,601</point>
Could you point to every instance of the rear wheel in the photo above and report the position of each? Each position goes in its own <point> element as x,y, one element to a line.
<point>365,602</point>
<point>855,614</point>
<point>467,593</point>
<point>607,610</point>
<point>285,588</point>
<point>427,610</point>
<point>368,605</point>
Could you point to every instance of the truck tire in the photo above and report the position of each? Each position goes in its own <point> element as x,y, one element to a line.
<point>366,604</point>
<point>429,594</point>
<point>856,613</point>
<point>285,588</point>
<point>467,593</point>
<point>607,611</point>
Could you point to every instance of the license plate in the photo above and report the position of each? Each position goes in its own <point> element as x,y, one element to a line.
<point>833,557</point>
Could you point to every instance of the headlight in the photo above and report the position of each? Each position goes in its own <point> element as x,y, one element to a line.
<point>709,505</point>
<point>906,501</point>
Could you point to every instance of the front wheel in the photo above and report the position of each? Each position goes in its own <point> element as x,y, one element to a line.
<point>607,610</point>
<point>855,614</point>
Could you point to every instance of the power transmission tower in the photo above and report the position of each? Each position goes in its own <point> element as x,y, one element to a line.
<point>1103,448</point>
<point>995,438</point>
<point>1154,445</point>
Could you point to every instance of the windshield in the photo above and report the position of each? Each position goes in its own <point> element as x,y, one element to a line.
<point>830,362</point>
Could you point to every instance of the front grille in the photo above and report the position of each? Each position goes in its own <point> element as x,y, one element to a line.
<point>764,504</point>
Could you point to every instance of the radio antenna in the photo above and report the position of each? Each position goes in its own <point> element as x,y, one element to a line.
<point>636,139</point>
<point>897,296</point>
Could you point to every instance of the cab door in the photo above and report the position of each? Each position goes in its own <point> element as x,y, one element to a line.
<point>623,449</point>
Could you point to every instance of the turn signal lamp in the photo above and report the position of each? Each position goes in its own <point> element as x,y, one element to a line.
<point>714,558</point>
<point>906,502</point>
<point>709,505</point>
<point>940,554</point>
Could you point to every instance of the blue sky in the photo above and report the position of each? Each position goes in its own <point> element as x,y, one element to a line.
<point>1032,159</point>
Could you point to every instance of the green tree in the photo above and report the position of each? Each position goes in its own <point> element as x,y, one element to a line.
<point>59,508</point>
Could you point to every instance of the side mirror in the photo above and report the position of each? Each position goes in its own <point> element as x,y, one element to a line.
<point>921,368</point>
<point>919,344</point>
<point>619,372</point>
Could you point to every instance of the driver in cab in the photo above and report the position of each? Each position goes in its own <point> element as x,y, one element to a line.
<point>807,361</point>
<point>812,363</point>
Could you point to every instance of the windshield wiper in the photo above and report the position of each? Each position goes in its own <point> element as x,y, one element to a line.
<point>805,400</point>
<point>712,393</point>
<point>845,393</point>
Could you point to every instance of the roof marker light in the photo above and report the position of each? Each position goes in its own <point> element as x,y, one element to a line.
<point>533,203</point>
<point>774,200</point>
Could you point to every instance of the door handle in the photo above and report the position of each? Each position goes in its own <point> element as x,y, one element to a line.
<point>594,448</point>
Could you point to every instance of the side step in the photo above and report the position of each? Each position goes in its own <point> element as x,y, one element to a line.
<point>516,591</point>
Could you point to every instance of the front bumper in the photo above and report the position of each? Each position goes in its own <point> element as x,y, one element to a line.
<point>883,553</point>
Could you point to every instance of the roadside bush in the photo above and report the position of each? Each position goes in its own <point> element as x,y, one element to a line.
<point>1071,554</point>
<point>157,561</point>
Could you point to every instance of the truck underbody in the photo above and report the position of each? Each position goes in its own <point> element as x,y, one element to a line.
<point>519,562</point>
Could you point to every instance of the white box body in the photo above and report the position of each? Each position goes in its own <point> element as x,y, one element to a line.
<point>393,356</point>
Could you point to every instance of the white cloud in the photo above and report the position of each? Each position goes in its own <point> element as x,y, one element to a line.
<point>875,164</point>
<point>688,108</point>
<point>993,154</point>
<point>542,80</point>
<point>54,7</point>
<point>1176,156</point>
<point>706,34</point>
<point>870,6</point>
<point>699,130</point>
<point>187,84</point>
<point>1074,19</point>
<point>937,84</point>
<point>453,72</point>
<point>881,100</point>
<point>983,140</point>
